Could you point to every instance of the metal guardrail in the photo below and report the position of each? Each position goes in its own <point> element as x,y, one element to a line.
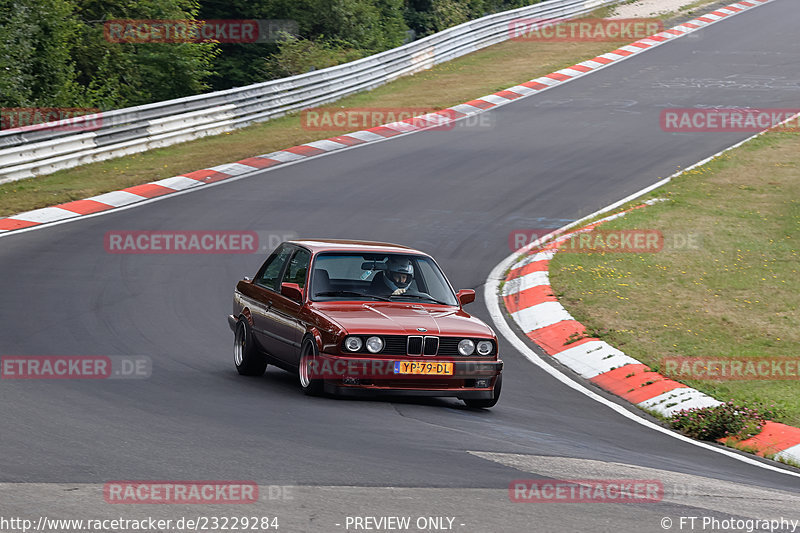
<point>46,148</point>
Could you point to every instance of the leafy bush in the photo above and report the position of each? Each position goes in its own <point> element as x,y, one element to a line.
<point>429,16</point>
<point>725,420</point>
<point>298,56</point>
<point>338,30</point>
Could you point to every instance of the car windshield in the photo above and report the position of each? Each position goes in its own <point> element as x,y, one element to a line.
<point>371,276</point>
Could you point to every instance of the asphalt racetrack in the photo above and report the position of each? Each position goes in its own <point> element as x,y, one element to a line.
<point>540,161</point>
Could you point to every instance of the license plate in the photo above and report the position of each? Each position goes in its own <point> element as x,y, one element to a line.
<point>423,367</point>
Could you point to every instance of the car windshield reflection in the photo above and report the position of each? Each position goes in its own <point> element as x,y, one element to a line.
<point>387,277</point>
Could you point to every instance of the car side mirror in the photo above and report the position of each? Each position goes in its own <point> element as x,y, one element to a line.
<point>465,296</point>
<point>292,291</point>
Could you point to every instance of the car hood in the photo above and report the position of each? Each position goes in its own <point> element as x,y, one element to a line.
<point>392,318</point>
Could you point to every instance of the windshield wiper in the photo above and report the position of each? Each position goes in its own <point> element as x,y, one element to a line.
<point>351,293</point>
<point>427,297</point>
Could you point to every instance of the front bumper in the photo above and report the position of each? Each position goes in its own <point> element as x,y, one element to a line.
<point>366,376</point>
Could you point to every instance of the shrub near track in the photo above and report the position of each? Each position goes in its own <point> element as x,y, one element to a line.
<point>732,295</point>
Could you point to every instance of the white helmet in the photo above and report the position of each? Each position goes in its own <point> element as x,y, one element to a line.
<point>399,273</point>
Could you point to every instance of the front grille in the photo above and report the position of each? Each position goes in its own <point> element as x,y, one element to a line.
<point>415,345</point>
<point>394,345</point>
<point>449,346</point>
<point>431,345</point>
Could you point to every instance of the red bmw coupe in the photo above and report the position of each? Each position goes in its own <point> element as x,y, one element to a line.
<point>360,317</point>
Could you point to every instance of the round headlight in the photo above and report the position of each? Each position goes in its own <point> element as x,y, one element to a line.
<point>485,347</point>
<point>466,347</point>
<point>374,344</point>
<point>353,344</point>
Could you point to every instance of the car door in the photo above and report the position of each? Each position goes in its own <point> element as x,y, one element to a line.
<point>284,314</point>
<point>266,287</point>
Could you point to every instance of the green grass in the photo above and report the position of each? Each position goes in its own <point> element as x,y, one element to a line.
<point>733,295</point>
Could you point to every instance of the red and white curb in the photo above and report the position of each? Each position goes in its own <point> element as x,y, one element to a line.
<point>529,300</point>
<point>153,190</point>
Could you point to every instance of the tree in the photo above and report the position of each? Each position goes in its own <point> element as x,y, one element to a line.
<point>54,53</point>
<point>36,68</point>
<point>125,74</point>
<point>331,31</point>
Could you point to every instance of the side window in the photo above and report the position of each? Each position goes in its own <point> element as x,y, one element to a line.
<point>297,269</point>
<point>268,275</point>
<point>430,280</point>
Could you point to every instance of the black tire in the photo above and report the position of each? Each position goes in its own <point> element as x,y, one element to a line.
<point>248,360</point>
<point>308,354</point>
<point>485,404</point>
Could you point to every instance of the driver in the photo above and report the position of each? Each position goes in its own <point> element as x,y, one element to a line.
<point>396,279</point>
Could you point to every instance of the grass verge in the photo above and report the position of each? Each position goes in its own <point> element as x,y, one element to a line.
<point>483,72</point>
<point>725,284</point>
